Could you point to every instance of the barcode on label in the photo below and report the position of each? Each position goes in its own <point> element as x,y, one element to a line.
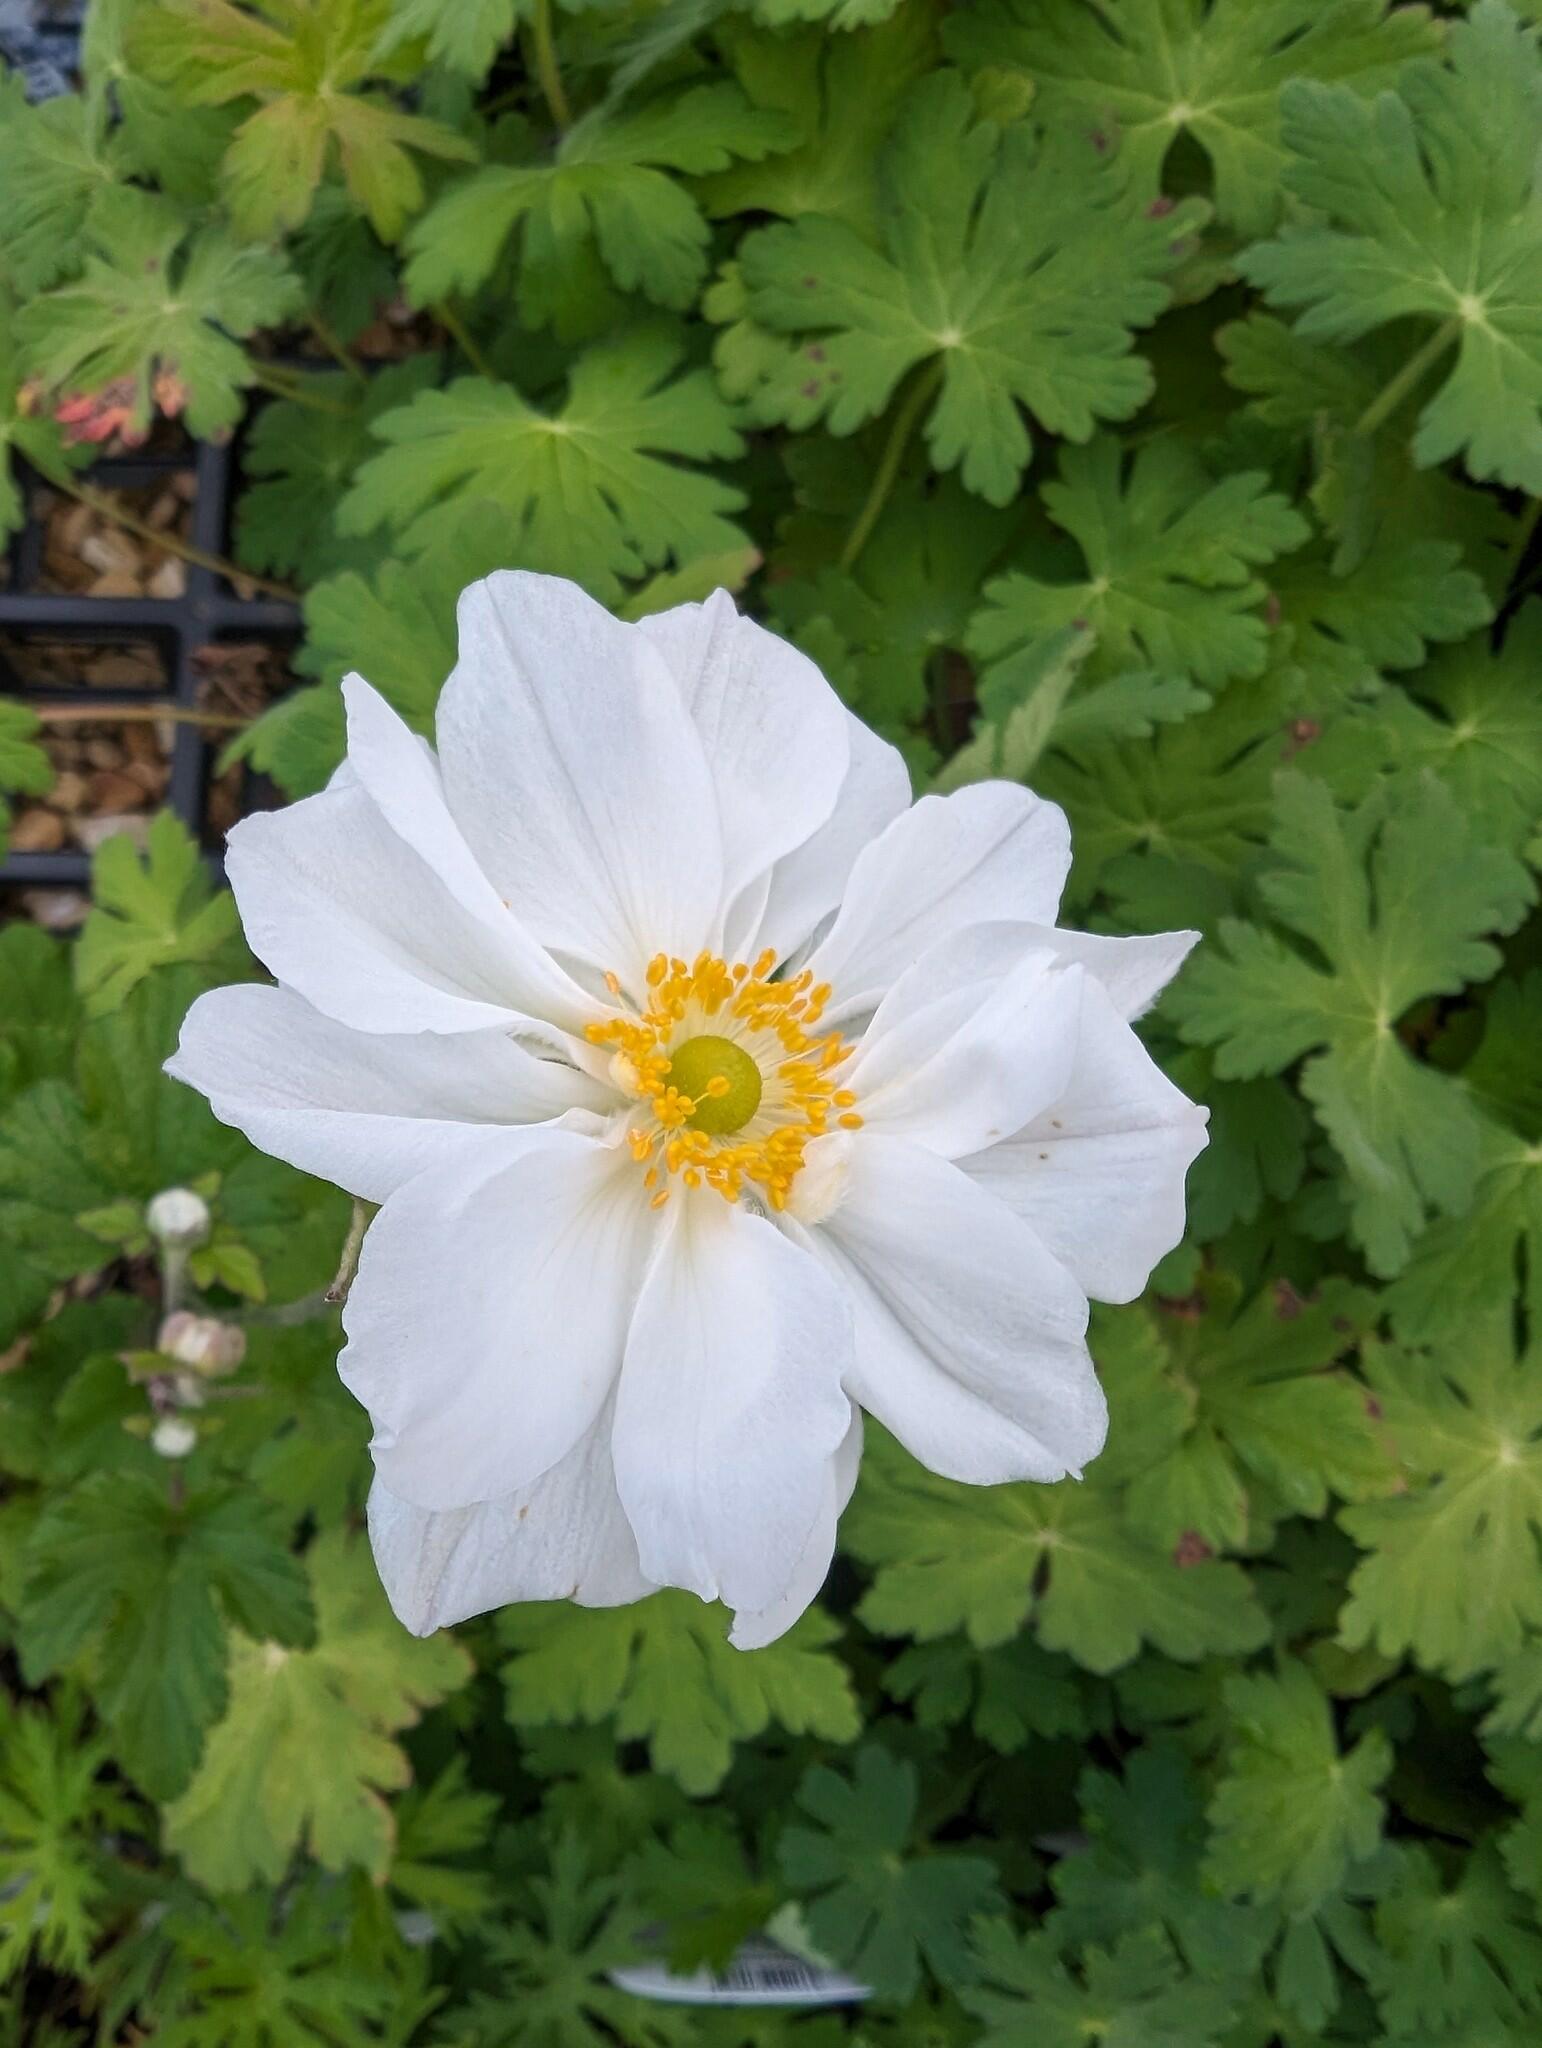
<point>751,1974</point>
<point>761,1973</point>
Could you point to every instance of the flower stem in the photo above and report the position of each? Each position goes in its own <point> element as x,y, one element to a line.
<point>102,503</point>
<point>547,69</point>
<point>348,1264</point>
<point>456,329</point>
<point>910,411</point>
<point>334,347</point>
<point>289,385</point>
<point>1387,401</point>
<point>173,1276</point>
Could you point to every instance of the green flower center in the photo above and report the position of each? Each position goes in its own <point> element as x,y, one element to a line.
<point>721,1079</point>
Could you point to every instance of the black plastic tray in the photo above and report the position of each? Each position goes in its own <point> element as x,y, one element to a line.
<point>209,611</point>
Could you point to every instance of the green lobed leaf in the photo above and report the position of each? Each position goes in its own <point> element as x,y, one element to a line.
<point>1292,1812</point>
<point>608,180</point>
<point>592,491</point>
<point>1448,1577</point>
<point>148,1586</point>
<point>1135,1995</point>
<point>308,64</point>
<point>872,1902</point>
<point>160,307</point>
<point>257,1795</point>
<point>665,1670</point>
<point>1432,213</point>
<point>150,912</point>
<point>1011,275</point>
<point>1154,71</point>
<point>1356,886</point>
<point>1169,555</point>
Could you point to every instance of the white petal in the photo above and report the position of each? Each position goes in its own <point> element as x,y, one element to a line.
<point>400,773</point>
<point>752,1631</point>
<point>366,1110</point>
<point>1134,971</point>
<point>562,1538</point>
<point>992,852</point>
<point>970,1336</point>
<point>488,1320</point>
<point>573,769</point>
<point>1099,1174</point>
<point>807,885</point>
<point>969,1043</point>
<point>730,1404</point>
<point>342,910</point>
<point>774,732</point>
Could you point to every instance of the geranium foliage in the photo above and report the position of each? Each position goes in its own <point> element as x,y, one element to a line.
<point>1137,398</point>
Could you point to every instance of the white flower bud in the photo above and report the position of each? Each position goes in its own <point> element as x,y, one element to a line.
<point>204,1343</point>
<point>173,1437</point>
<point>178,1218</point>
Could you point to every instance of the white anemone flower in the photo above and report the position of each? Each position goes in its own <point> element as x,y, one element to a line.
<point>713,1092</point>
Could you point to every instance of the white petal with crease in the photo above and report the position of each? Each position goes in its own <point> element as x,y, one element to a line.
<point>970,1336</point>
<point>573,769</point>
<point>774,732</point>
<point>340,909</point>
<point>752,1631</point>
<point>1134,971</point>
<point>365,1110</point>
<point>1099,1174</point>
<point>805,887</point>
<point>969,1043</point>
<point>730,1405</point>
<point>991,852</point>
<point>564,1537</point>
<point>488,1320</point>
<point>401,775</point>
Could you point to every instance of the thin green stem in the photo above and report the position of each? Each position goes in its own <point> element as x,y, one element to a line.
<point>291,385</point>
<point>173,1277</point>
<point>1387,401</point>
<point>904,425</point>
<point>314,1307</point>
<point>547,69</point>
<point>334,347</point>
<point>102,502</point>
<point>456,329</point>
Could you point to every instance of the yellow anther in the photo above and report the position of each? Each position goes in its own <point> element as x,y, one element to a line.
<point>849,1122</point>
<point>758,1088</point>
<point>613,982</point>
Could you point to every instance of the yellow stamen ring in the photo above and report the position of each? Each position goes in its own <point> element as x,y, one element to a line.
<point>724,1053</point>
